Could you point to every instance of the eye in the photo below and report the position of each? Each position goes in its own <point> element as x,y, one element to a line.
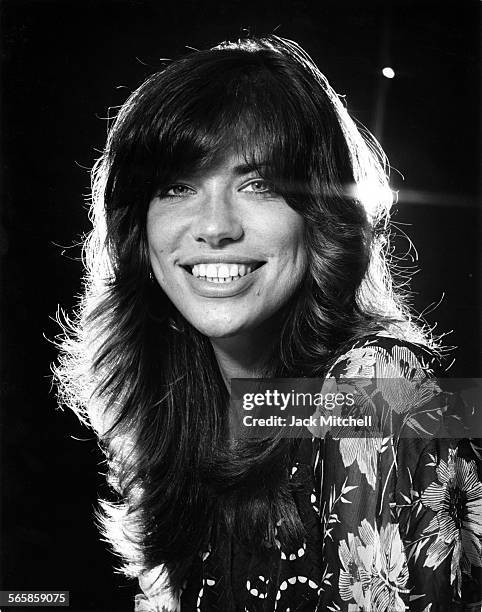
<point>176,191</point>
<point>260,186</point>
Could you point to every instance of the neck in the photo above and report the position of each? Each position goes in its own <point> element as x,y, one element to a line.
<point>244,356</point>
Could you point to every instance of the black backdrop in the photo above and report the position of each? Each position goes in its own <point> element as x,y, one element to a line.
<point>66,62</point>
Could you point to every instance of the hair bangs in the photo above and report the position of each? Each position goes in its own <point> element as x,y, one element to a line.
<point>243,111</point>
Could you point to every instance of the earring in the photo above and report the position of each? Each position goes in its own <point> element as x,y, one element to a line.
<point>176,323</point>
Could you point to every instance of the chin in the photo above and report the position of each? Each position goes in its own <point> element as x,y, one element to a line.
<point>220,325</point>
<point>217,329</point>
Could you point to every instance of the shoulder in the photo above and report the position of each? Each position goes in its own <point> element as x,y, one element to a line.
<point>384,356</point>
<point>396,381</point>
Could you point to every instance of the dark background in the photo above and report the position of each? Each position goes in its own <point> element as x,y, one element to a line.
<point>64,63</point>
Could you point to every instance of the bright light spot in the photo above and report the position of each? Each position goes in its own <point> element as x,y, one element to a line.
<point>388,72</point>
<point>371,192</point>
<point>374,196</point>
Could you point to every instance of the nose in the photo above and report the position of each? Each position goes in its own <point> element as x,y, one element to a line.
<point>218,222</point>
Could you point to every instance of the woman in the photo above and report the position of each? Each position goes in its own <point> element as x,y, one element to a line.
<point>240,230</point>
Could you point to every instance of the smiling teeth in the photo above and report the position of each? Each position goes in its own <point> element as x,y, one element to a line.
<point>221,273</point>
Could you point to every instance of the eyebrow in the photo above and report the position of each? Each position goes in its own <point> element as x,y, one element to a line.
<point>241,169</point>
<point>238,170</point>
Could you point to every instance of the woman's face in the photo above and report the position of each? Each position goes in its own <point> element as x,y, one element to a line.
<point>227,250</point>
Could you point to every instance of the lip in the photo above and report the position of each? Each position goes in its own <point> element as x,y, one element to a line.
<point>220,259</point>
<point>221,290</point>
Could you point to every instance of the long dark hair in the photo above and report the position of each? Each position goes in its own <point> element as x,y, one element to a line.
<point>145,379</point>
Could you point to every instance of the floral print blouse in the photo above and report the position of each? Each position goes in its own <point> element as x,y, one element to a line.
<point>392,523</point>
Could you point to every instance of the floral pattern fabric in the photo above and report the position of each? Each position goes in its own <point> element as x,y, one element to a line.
<point>392,523</point>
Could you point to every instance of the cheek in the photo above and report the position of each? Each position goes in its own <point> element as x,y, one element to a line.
<point>285,240</point>
<point>288,241</point>
<point>158,245</point>
<point>161,232</point>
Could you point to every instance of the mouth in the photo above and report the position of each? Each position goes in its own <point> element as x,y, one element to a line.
<point>223,272</point>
